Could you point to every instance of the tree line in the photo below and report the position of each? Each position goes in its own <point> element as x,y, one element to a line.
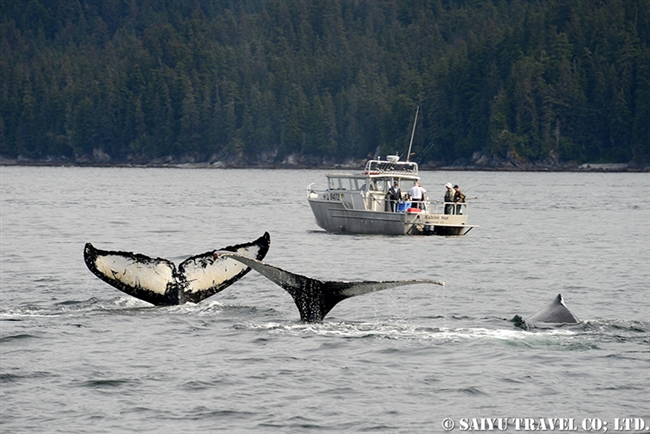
<point>267,81</point>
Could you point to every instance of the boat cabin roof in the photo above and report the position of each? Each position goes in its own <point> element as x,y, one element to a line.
<point>380,174</point>
<point>391,166</point>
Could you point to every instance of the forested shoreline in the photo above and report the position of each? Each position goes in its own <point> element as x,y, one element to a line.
<point>522,84</point>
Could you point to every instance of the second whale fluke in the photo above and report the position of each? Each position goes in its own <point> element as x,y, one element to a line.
<point>315,298</point>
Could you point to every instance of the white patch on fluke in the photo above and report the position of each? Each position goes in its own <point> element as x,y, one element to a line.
<point>201,277</point>
<point>153,277</point>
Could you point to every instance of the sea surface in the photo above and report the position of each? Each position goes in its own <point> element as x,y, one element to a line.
<point>78,356</point>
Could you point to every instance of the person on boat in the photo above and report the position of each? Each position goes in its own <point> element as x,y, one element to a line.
<point>417,194</point>
<point>394,196</point>
<point>459,197</point>
<point>449,198</point>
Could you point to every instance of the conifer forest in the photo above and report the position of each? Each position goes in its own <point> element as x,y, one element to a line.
<point>266,82</point>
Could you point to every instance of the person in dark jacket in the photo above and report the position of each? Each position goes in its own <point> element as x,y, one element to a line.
<point>394,196</point>
<point>459,197</point>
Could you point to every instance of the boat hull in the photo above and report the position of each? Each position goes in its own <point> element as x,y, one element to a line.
<point>335,217</point>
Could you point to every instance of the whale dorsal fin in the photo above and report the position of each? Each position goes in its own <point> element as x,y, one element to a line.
<point>555,312</point>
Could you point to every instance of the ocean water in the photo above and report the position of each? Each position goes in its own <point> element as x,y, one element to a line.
<point>78,356</point>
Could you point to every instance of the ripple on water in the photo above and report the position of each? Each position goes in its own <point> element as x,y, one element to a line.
<point>81,356</point>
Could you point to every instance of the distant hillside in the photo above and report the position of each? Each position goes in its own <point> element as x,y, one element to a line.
<point>271,81</point>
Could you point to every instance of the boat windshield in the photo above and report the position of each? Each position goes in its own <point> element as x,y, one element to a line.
<point>345,183</point>
<point>375,183</point>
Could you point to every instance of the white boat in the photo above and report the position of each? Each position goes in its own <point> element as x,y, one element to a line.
<point>360,203</point>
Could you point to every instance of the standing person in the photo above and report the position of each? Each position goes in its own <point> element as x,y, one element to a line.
<point>459,197</point>
<point>449,198</point>
<point>423,196</point>
<point>417,195</point>
<point>394,196</point>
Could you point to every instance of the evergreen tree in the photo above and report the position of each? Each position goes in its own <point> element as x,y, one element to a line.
<point>325,81</point>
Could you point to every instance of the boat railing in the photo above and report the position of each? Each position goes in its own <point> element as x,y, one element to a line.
<point>405,205</point>
<point>374,201</point>
<point>450,208</point>
<point>429,207</point>
<point>314,187</point>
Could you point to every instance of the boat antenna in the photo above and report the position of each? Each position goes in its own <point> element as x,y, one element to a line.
<point>423,153</point>
<point>408,154</point>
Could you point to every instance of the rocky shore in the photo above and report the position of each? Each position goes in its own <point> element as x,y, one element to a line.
<point>477,162</point>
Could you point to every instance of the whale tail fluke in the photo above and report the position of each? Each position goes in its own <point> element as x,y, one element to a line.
<point>159,282</point>
<point>315,298</point>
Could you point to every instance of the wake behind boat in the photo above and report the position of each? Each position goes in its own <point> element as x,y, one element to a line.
<point>362,203</point>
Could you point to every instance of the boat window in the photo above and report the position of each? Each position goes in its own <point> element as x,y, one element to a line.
<point>378,185</point>
<point>339,183</point>
<point>355,184</point>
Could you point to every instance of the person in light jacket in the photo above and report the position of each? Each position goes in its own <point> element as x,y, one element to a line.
<point>449,198</point>
<point>418,193</point>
